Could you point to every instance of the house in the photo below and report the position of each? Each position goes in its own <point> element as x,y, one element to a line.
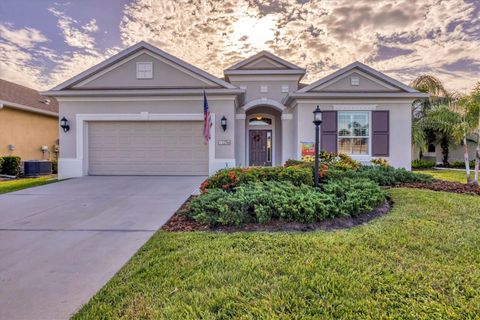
<point>28,123</point>
<point>434,151</point>
<point>140,112</point>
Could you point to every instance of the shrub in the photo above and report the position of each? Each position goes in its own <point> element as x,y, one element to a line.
<point>354,196</point>
<point>1,163</point>
<point>421,163</point>
<point>459,164</point>
<point>11,165</point>
<point>380,162</point>
<point>229,179</point>
<point>345,162</point>
<point>388,176</point>
<point>262,201</point>
<point>54,166</point>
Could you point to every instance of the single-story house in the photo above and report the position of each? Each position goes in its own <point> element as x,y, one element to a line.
<point>28,123</point>
<point>140,112</point>
<point>434,151</point>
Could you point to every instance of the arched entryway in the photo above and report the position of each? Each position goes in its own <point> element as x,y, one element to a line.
<point>263,136</point>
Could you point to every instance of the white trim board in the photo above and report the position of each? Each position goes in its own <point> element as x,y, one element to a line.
<point>354,107</point>
<point>148,98</point>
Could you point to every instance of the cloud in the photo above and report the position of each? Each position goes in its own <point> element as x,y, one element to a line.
<point>73,36</point>
<point>321,36</point>
<point>91,26</point>
<point>25,38</point>
<point>403,38</point>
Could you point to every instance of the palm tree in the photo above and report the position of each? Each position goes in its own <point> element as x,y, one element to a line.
<point>438,95</point>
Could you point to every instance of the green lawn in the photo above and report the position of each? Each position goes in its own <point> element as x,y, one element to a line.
<point>449,175</point>
<point>421,261</point>
<point>14,185</point>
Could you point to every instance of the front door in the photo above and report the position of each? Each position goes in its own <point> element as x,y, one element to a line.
<point>260,147</point>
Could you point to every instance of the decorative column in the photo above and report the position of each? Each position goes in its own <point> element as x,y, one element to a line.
<point>240,139</point>
<point>288,143</point>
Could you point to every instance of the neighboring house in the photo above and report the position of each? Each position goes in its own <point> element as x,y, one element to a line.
<point>140,112</point>
<point>455,152</point>
<point>28,123</point>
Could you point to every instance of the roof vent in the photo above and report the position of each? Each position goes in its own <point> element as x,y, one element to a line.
<point>45,101</point>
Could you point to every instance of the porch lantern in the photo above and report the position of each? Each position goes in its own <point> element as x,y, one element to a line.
<point>64,124</point>
<point>223,123</point>
<point>317,121</point>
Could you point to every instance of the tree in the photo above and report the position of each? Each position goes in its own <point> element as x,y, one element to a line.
<point>472,117</point>
<point>438,96</point>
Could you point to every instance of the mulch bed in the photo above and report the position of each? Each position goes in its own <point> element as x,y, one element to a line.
<point>441,185</point>
<point>182,223</point>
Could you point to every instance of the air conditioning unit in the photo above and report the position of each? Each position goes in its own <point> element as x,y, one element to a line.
<point>35,168</point>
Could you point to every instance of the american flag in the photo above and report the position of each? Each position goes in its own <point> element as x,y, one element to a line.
<point>207,121</point>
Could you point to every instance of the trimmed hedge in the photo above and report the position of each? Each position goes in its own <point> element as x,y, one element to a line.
<point>1,163</point>
<point>260,202</point>
<point>11,165</point>
<point>229,179</point>
<point>421,163</point>
<point>383,176</point>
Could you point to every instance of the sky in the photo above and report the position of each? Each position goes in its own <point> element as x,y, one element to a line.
<point>44,42</point>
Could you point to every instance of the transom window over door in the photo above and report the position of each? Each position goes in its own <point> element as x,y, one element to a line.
<point>354,132</point>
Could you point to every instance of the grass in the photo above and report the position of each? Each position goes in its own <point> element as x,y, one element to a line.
<point>448,175</point>
<point>19,184</point>
<point>421,261</point>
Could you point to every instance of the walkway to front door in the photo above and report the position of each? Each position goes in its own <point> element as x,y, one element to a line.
<point>260,147</point>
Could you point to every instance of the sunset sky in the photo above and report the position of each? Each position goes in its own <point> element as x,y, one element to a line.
<point>43,43</point>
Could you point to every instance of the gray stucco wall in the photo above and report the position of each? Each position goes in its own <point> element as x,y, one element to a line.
<point>274,88</point>
<point>69,110</point>
<point>400,126</point>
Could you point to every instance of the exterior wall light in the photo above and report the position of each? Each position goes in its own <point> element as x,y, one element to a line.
<point>64,124</point>
<point>223,123</point>
<point>317,121</point>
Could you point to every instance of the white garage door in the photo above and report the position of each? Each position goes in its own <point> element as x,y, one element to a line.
<point>147,148</point>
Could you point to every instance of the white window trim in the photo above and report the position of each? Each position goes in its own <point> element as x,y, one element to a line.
<point>360,157</point>
<point>144,63</point>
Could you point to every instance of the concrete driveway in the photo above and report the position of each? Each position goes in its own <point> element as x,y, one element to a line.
<point>60,243</point>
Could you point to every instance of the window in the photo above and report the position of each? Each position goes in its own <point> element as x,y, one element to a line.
<point>144,70</point>
<point>260,121</point>
<point>269,146</point>
<point>355,81</point>
<point>263,89</point>
<point>353,132</point>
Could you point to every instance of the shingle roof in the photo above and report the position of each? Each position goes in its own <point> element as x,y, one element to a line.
<point>15,93</point>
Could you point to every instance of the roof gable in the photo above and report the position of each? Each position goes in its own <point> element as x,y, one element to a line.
<point>264,62</point>
<point>117,73</point>
<point>370,80</point>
